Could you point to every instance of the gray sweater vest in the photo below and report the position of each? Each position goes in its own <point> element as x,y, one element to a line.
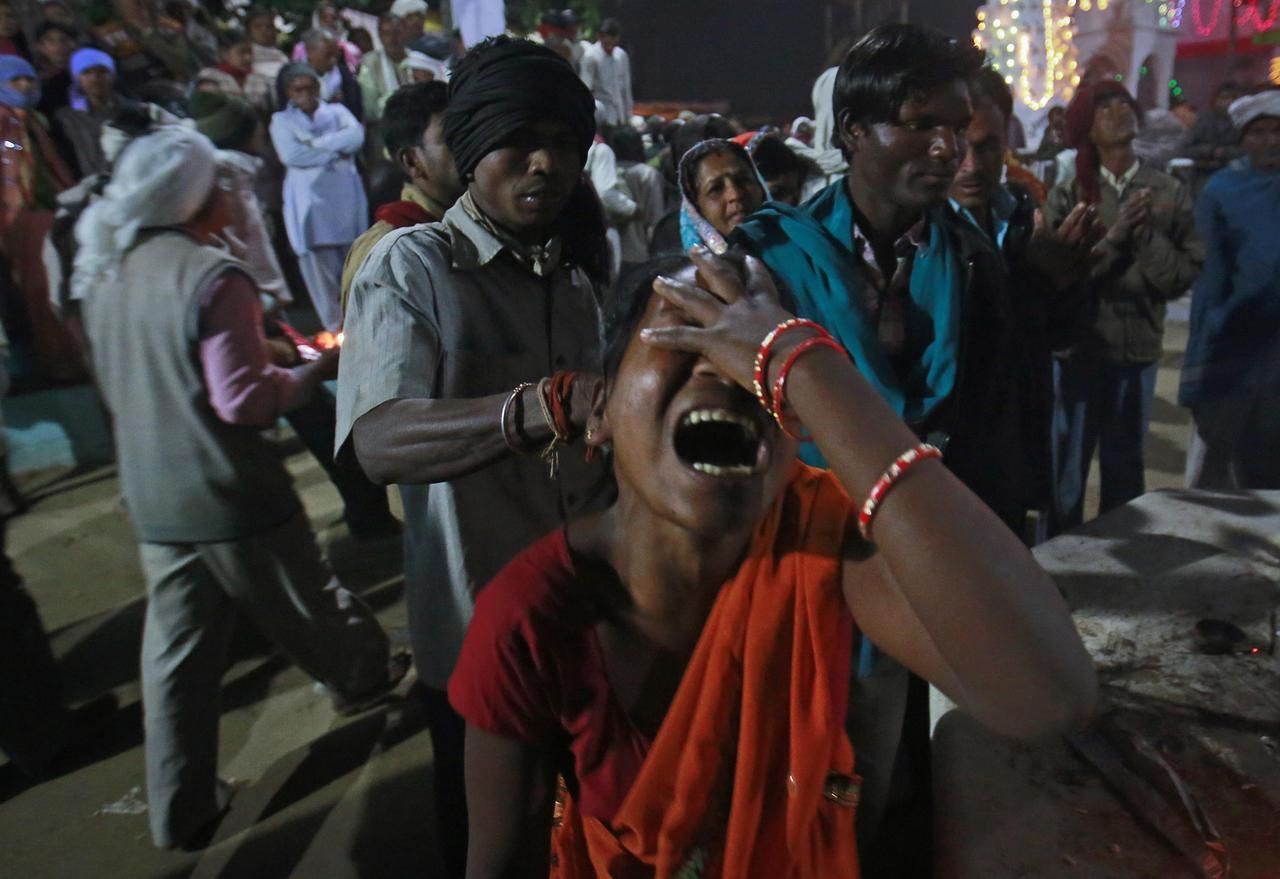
<point>187,476</point>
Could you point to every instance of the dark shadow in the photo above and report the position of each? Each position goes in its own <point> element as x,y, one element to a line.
<point>80,476</point>
<point>1163,455</point>
<point>395,837</point>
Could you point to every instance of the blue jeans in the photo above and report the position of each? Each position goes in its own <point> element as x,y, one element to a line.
<point>1099,405</point>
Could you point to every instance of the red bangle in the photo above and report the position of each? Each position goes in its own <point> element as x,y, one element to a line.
<point>760,372</point>
<point>780,384</point>
<point>888,480</point>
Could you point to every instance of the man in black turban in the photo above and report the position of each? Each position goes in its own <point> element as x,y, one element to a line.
<point>451,330</point>
<point>504,85</point>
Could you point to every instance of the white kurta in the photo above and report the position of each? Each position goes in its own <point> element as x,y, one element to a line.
<point>609,78</point>
<point>324,200</point>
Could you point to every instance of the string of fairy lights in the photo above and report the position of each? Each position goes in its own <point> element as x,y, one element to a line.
<point>1032,43</point>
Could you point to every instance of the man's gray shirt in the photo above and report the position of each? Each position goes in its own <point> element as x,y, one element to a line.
<point>444,311</point>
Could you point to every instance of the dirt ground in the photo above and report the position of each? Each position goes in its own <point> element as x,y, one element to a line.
<point>327,798</point>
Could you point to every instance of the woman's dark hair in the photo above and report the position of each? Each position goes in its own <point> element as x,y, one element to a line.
<point>409,112</point>
<point>634,290</point>
<point>360,38</point>
<point>895,63</point>
<point>46,27</point>
<point>258,12</point>
<point>774,158</point>
<point>231,37</point>
<point>988,85</point>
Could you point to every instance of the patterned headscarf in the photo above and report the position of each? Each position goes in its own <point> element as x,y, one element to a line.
<point>696,229</point>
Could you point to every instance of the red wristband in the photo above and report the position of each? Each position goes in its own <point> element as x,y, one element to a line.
<point>888,480</point>
<point>780,384</point>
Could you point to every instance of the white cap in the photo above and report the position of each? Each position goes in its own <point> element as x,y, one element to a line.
<point>1250,107</point>
<point>422,61</point>
<point>401,8</point>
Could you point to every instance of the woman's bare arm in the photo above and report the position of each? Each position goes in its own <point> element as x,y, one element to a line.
<point>511,790</point>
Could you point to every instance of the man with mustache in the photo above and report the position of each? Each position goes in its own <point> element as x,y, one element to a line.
<point>919,300</point>
<point>1043,268</point>
<point>452,330</point>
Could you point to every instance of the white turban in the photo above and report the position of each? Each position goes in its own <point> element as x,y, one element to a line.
<point>401,8</point>
<point>1250,107</point>
<point>423,61</point>
<point>159,179</point>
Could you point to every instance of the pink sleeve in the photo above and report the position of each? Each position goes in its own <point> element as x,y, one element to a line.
<point>244,387</point>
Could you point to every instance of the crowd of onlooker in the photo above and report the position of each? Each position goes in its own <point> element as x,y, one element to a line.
<point>184,193</point>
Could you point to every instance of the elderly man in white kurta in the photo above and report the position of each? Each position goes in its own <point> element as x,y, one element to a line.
<point>325,208</point>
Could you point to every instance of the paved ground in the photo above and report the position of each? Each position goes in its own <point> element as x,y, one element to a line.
<point>328,798</point>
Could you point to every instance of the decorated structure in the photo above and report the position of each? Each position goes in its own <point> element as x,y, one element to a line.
<point>1159,48</point>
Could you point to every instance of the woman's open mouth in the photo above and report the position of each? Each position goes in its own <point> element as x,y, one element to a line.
<point>720,443</point>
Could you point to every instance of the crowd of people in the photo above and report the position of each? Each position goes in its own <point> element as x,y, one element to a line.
<point>713,444</point>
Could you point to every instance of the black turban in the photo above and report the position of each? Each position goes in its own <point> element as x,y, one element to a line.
<point>503,85</point>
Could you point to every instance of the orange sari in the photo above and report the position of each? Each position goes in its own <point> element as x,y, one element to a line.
<point>751,774</point>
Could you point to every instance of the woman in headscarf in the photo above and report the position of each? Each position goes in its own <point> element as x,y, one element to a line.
<point>31,176</point>
<point>681,660</point>
<point>183,366</point>
<point>325,208</point>
<point>719,188</point>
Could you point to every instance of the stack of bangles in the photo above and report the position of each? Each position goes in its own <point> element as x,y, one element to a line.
<point>553,400</point>
<point>775,402</point>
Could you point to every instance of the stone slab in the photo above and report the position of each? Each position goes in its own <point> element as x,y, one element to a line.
<point>1138,580</point>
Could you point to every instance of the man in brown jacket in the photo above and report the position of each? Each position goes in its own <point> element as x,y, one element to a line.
<point>1105,382</point>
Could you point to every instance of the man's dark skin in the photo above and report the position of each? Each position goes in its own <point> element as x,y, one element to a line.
<point>429,165</point>
<point>898,170</point>
<point>1115,125</point>
<point>522,186</point>
<point>1261,143</point>
<point>1060,255</point>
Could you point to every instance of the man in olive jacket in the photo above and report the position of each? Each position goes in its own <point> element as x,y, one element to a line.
<point>1150,255</point>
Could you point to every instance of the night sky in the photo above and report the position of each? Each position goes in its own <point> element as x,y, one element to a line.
<point>761,56</point>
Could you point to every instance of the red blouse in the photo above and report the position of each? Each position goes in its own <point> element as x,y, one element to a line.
<point>532,669</point>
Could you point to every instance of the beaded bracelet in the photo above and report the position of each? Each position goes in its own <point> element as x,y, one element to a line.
<point>502,419</point>
<point>759,375</point>
<point>888,480</point>
<point>780,385</point>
